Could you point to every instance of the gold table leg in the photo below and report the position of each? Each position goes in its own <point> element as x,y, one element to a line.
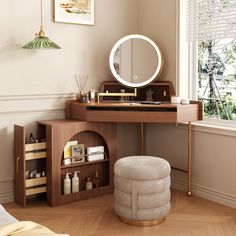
<point>189,158</point>
<point>141,139</point>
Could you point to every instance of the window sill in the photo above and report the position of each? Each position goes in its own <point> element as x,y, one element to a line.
<point>214,127</point>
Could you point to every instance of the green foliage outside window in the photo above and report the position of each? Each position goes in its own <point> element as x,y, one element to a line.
<point>217,78</point>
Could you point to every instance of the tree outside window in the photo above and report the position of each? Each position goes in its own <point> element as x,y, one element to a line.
<point>217,78</point>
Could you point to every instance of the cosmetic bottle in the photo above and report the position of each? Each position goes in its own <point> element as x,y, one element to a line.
<point>92,95</point>
<point>96,180</point>
<point>89,183</point>
<point>67,184</point>
<point>75,182</point>
<point>32,139</point>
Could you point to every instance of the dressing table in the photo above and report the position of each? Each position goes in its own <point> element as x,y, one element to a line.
<point>135,62</point>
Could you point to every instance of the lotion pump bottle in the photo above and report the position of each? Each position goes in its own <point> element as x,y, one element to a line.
<point>67,184</point>
<point>75,182</point>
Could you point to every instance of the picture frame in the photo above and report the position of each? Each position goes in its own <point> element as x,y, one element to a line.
<point>67,152</point>
<point>74,11</point>
<point>77,153</point>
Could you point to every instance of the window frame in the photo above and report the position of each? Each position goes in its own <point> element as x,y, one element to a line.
<point>187,51</point>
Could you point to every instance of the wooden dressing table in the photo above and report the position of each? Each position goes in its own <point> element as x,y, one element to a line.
<point>136,62</point>
<point>134,112</point>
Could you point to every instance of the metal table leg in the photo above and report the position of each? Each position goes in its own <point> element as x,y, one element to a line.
<point>189,159</point>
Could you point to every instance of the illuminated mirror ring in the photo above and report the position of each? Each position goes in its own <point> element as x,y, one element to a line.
<point>158,67</point>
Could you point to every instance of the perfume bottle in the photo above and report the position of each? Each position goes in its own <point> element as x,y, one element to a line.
<point>92,95</point>
<point>96,182</point>
<point>88,183</point>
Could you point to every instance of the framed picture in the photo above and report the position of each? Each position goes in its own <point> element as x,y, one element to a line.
<point>74,11</point>
<point>67,152</point>
<point>77,152</point>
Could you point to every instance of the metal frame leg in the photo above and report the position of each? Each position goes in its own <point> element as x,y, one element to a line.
<point>189,159</point>
<point>141,138</point>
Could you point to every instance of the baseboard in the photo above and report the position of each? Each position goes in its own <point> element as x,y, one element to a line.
<point>7,197</point>
<point>206,193</point>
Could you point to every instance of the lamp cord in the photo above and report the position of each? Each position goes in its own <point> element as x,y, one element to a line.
<point>41,32</point>
<point>41,15</point>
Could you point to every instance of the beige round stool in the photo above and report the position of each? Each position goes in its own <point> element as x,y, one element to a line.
<point>142,190</point>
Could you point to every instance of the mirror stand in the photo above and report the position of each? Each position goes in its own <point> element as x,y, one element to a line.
<point>107,94</point>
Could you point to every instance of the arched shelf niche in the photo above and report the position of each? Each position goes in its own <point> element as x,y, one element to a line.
<point>88,138</point>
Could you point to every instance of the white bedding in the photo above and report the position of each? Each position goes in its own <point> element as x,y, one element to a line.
<point>5,217</point>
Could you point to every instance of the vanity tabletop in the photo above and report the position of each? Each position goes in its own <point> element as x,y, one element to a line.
<point>135,112</point>
<point>134,104</point>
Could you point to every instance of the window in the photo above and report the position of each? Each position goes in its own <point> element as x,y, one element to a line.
<point>216,78</point>
<point>212,32</point>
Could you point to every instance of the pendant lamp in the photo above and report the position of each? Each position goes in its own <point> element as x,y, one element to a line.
<point>41,41</point>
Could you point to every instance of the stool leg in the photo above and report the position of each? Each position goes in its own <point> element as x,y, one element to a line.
<point>189,158</point>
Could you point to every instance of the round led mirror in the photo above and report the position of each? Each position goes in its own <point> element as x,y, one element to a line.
<point>135,61</point>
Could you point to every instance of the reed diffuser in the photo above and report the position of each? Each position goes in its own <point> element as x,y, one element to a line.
<point>81,81</point>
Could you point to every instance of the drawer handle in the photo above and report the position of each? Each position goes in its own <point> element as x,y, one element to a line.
<point>17,165</point>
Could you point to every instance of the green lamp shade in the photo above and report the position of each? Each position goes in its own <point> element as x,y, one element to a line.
<point>41,42</point>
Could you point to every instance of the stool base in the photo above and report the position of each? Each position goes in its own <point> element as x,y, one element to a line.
<point>143,223</point>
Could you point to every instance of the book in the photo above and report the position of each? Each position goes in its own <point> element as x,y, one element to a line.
<point>95,153</point>
<point>67,152</point>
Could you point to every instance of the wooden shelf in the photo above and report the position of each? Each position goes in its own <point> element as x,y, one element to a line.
<point>33,191</point>
<point>57,134</point>
<point>35,155</point>
<point>84,163</point>
<point>29,157</point>
<point>87,191</point>
<point>35,146</point>
<point>35,182</point>
<point>85,194</point>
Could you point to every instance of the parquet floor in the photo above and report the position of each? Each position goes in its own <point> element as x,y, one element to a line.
<point>190,216</point>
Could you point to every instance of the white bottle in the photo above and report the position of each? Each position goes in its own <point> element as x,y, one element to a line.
<point>75,182</point>
<point>67,184</point>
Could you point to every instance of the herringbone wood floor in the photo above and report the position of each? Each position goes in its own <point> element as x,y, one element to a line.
<point>190,216</point>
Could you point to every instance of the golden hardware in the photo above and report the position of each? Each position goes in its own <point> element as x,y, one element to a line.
<point>189,158</point>
<point>107,94</point>
<point>17,165</point>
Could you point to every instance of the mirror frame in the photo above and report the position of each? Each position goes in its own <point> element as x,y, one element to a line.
<point>149,80</point>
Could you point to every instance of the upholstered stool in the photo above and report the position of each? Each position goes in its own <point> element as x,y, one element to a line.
<point>142,190</point>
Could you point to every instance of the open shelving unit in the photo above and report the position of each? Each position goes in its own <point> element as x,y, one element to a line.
<point>28,157</point>
<point>49,155</point>
<point>57,133</point>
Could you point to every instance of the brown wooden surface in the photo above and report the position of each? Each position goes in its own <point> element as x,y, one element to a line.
<point>36,155</point>
<point>161,91</point>
<point>19,152</point>
<point>33,191</point>
<point>35,182</point>
<point>58,133</point>
<point>96,217</point>
<point>29,161</point>
<point>134,112</point>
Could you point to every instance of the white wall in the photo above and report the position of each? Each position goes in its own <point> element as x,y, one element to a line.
<point>157,20</point>
<point>85,49</point>
<point>49,77</point>
<point>213,149</point>
<point>36,84</point>
<point>213,159</point>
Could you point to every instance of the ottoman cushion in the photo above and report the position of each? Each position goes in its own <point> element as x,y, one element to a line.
<point>142,188</point>
<point>142,168</point>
